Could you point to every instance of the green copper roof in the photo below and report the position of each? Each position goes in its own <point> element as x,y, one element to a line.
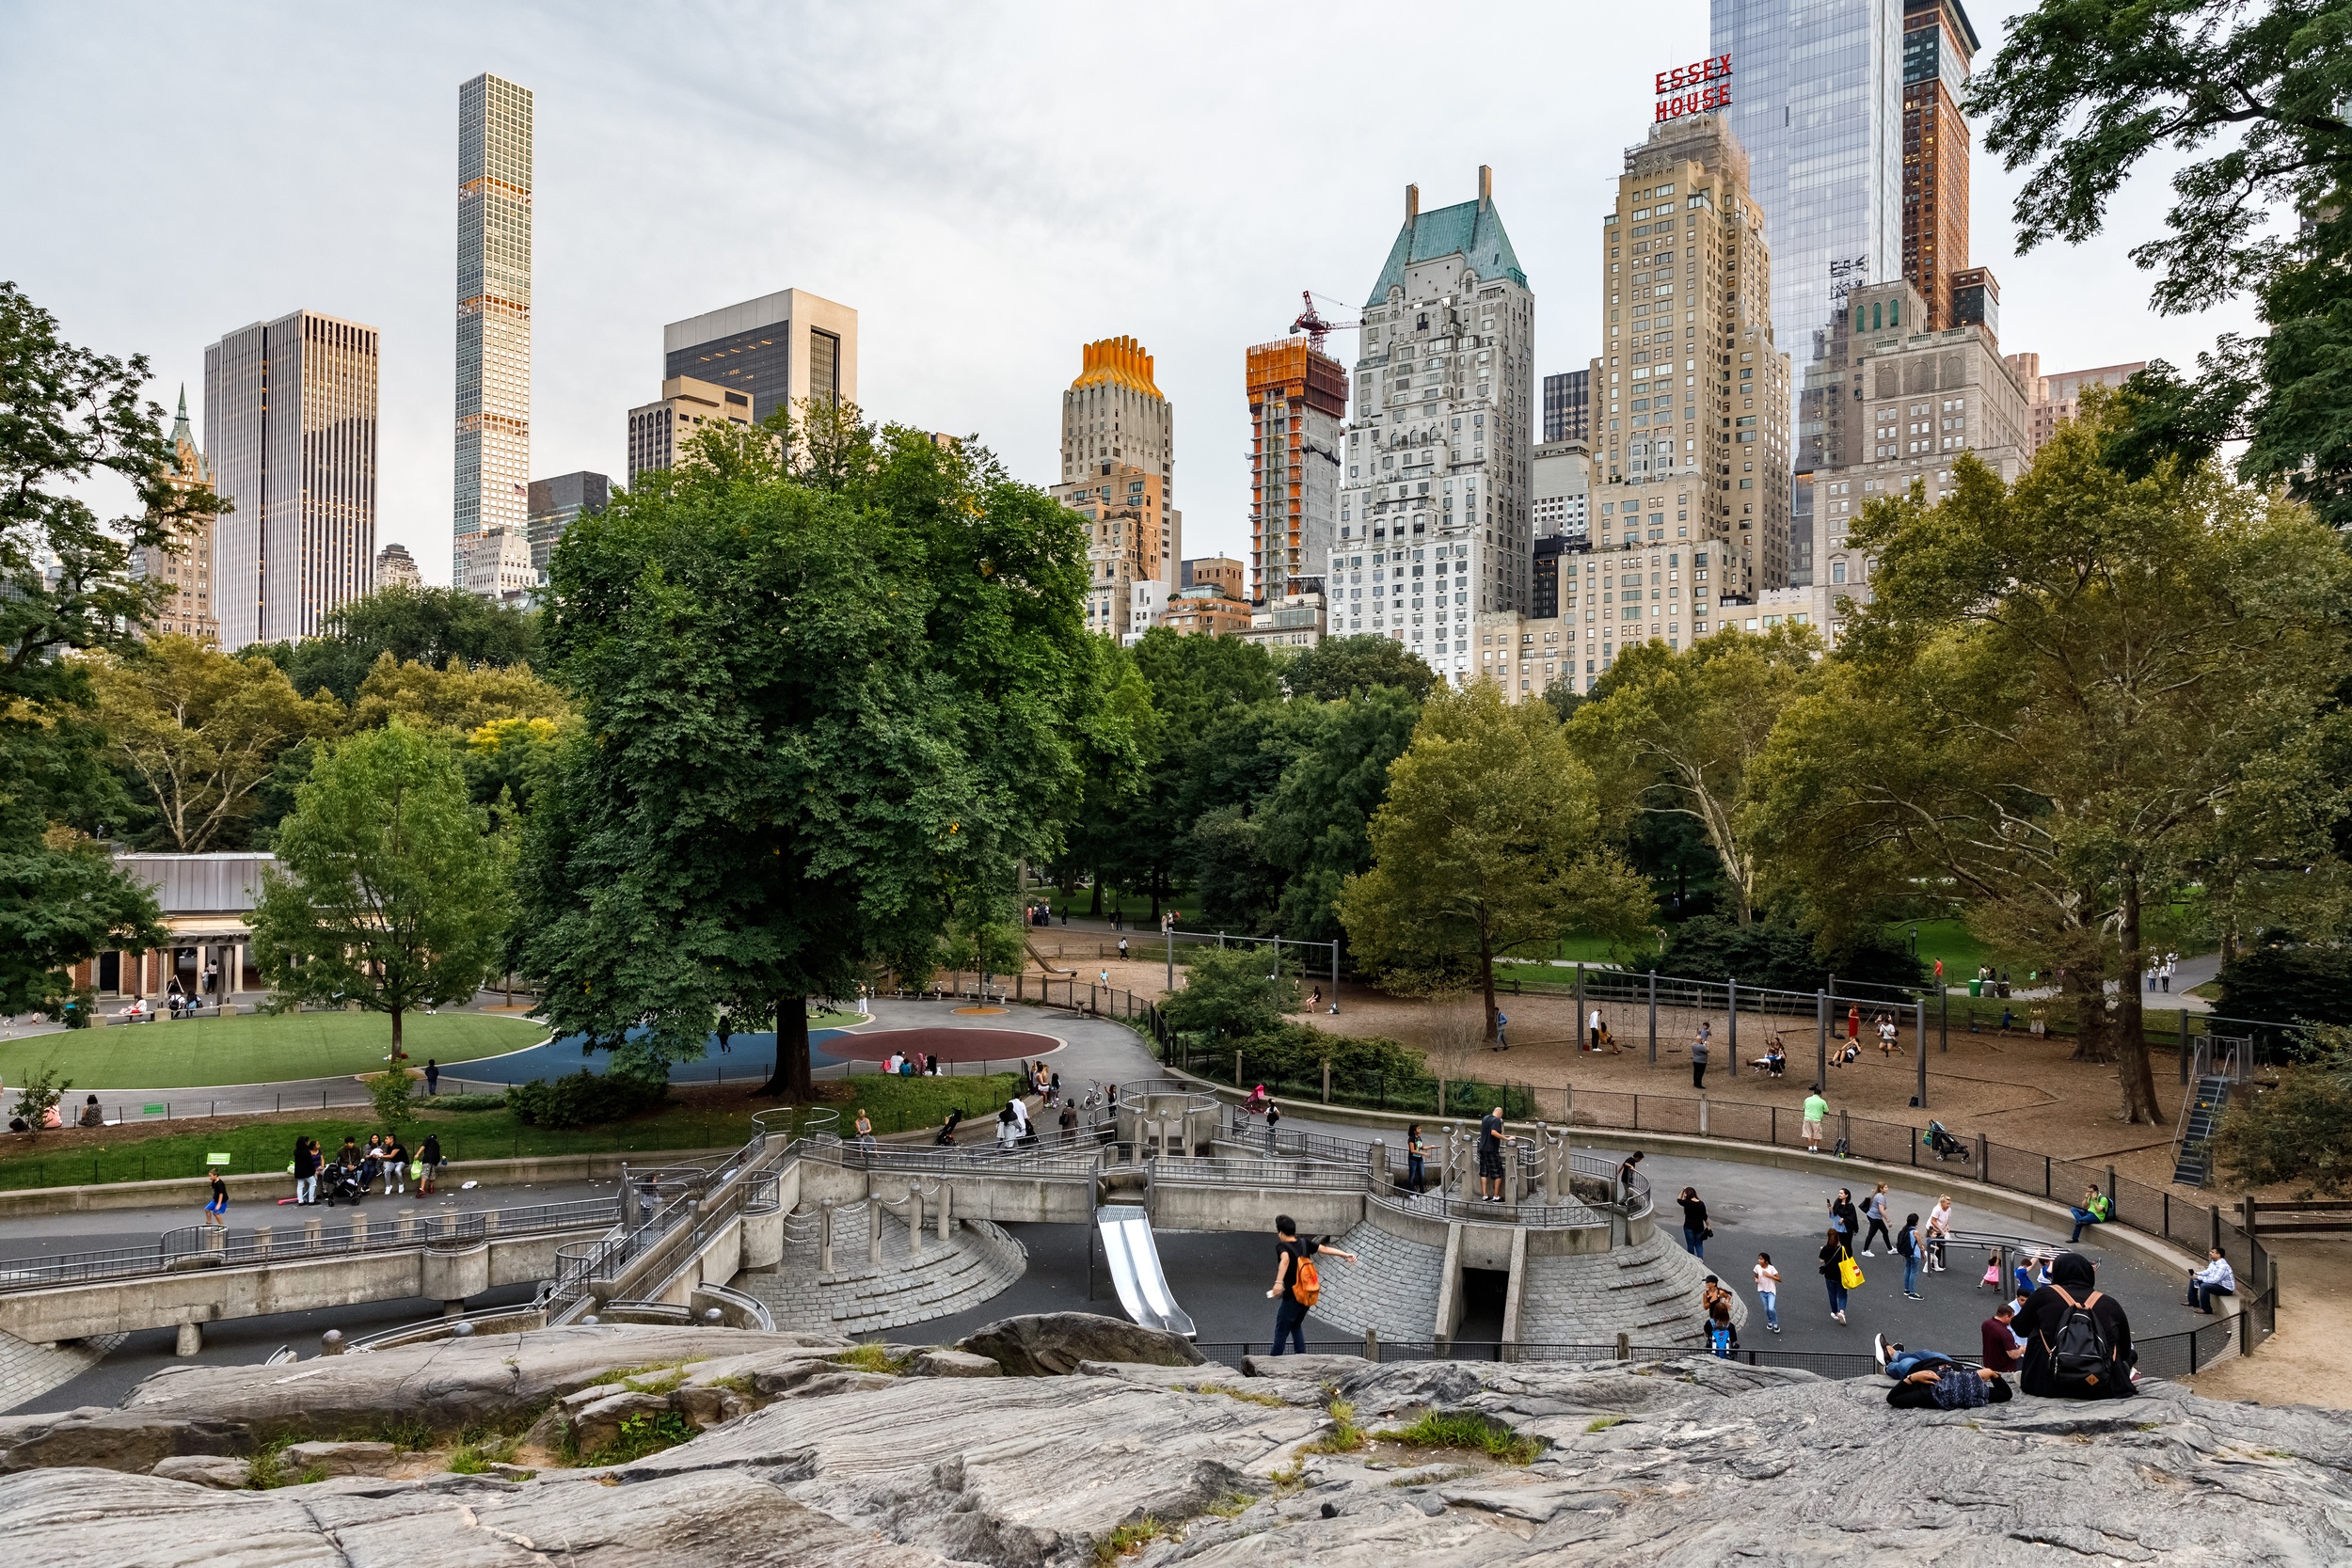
<point>180,427</point>
<point>1468,228</point>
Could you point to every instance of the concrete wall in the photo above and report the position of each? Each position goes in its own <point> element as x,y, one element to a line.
<point>1178,1206</point>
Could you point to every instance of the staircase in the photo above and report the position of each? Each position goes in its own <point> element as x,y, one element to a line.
<point>2218,1063</point>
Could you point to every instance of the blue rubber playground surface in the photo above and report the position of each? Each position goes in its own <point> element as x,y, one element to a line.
<point>750,1057</point>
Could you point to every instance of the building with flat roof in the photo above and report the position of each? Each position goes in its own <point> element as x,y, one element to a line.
<point>1560,489</point>
<point>493,432</point>
<point>1568,408</point>
<point>1298,403</point>
<point>2053,398</point>
<point>659,431</point>
<point>558,502</point>
<point>1938,44</point>
<point>396,568</point>
<point>779,350</point>
<point>207,901</point>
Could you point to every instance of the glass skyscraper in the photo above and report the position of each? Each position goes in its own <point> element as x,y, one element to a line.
<point>493,312</point>
<point>1817,103</point>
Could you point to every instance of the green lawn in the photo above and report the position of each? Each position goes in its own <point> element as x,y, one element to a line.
<point>896,1104</point>
<point>260,1050</point>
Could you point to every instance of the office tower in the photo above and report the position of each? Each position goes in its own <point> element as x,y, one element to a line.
<point>498,566</point>
<point>1938,43</point>
<point>780,349</point>
<point>1817,105</point>
<point>1114,412</point>
<point>1128,541</point>
<point>1560,492</point>
<point>1568,407</point>
<point>289,430</point>
<point>1975,299</point>
<point>2053,398</point>
<point>659,431</point>
<point>1691,474</point>
<point>1801,536</point>
<point>1433,516</point>
<point>557,503</point>
<point>1297,406</point>
<point>396,568</point>
<point>493,311</point>
<point>185,565</point>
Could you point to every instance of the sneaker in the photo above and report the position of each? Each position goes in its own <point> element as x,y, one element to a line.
<point>1878,1350</point>
<point>1839,1316</point>
<point>1866,1252</point>
<point>1775,1327</point>
<point>1915,1295</point>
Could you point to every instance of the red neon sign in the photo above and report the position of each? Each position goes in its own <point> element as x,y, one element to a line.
<point>1715,68</point>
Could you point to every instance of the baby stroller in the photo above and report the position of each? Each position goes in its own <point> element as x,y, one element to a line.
<point>1942,1143</point>
<point>339,1182</point>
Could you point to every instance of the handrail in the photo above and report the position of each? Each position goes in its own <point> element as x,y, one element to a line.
<point>1535,1216</point>
<point>1311,1175</point>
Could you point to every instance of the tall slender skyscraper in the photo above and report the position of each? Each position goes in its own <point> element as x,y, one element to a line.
<point>1297,399</point>
<point>493,312</point>
<point>290,429</point>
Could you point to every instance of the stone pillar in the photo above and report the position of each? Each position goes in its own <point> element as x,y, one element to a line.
<point>406,1228</point>
<point>261,1241</point>
<point>1372,1344</point>
<point>914,1220</point>
<point>1514,1186</point>
<point>489,1222</point>
<point>331,1342</point>
<point>311,1228</point>
<point>873,1230</point>
<point>1556,1181</point>
<point>630,1215</point>
<point>1380,1165</point>
<point>946,1200</point>
<point>215,1240</point>
<point>358,1230</point>
<point>191,1340</point>
<point>824,1236</point>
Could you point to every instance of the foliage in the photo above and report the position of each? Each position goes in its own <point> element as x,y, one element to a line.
<point>422,625</point>
<point>1317,822</point>
<point>1338,668</point>
<point>1466,1429</point>
<point>1776,955</point>
<point>2249,100</point>
<point>649,1432</point>
<point>1679,732</point>
<point>455,697</point>
<point>1487,844</point>
<point>198,733</point>
<point>2049,715</point>
<point>394,1095</point>
<point>507,759</point>
<point>67,585</point>
<point>584,1099</point>
<point>1128,1539</point>
<point>1344,1435</point>
<point>1361,1065</point>
<point>483,1102</point>
<point>40,1093</point>
<point>2307,982</point>
<point>386,890</point>
<point>2302,1130</point>
<point>872,1355</point>
<point>1231,992</point>
<point>827,708</point>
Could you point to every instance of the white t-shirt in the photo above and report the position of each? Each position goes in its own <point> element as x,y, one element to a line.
<point>1767,1280</point>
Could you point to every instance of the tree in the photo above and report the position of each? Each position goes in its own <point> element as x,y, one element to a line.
<point>1231,994</point>
<point>2299,981</point>
<point>67,585</point>
<point>1489,844</point>
<point>387,892</point>
<point>415,626</point>
<point>1341,667</point>
<point>1317,822</point>
<point>2300,1131</point>
<point>198,733</point>
<point>2249,97</point>
<point>38,1095</point>
<point>456,696</point>
<point>827,707</point>
<point>2056,695</point>
<point>1778,955</point>
<point>1679,732</point>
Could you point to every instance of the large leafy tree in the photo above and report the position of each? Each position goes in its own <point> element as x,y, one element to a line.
<point>389,888</point>
<point>1339,667</point>
<point>1316,825</point>
<point>2056,699</point>
<point>198,733</point>
<point>1487,844</point>
<point>455,696</point>
<point>67,586</point>
<point>828,705</point>
<point>2250,100</point>
<point>415,626</point>
<point>1679,732</point>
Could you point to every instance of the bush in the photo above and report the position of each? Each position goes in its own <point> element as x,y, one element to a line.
<point>1231,994</point>
<point>463,1103</point>
<point>394,1093</point>
<point>2302,1130</point>
<point>2289,982</point>
<point>583,1098</point>
<point>1777,956</point>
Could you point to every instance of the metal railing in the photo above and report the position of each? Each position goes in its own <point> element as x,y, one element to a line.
<point>1535,1216</point>
<point>1305,1175</point>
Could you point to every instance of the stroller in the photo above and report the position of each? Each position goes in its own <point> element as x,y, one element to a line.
<point>339,1182</point>
<point>1942,1143</point>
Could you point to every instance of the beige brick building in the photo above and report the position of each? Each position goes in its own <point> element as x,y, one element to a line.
<point>659,431</point>
<point>185,565</point>
<point>1128,541</point>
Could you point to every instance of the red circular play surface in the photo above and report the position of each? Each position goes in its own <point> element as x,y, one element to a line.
<point>948,1045</point>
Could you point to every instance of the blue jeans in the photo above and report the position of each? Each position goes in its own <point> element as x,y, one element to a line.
<point>1911,1275</point>
<point>1694,1241</point>
<point>1910,1361</point>
<point>1836,1293</point>
<point>1289,1321</point>
<point>1771,1308</point>
<point>2083,1217</point>
<point>1412,1171</point>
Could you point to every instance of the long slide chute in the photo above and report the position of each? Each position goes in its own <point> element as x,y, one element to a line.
<point>1135,1264</point>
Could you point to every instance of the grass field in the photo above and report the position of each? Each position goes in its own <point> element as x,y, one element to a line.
<point>700,1119</point>
<point>260,1050</point>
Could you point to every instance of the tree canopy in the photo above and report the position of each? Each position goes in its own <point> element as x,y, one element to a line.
<point>1337,668</point>
<point>424,626</point>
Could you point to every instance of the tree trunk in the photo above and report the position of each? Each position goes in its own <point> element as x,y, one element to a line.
<point>2091,1015</point>
<point>398,1055</point>
<point>790,1079</point>
<point>2131,1046</point>
<point>1095,908</point>
<point>1486,979</point>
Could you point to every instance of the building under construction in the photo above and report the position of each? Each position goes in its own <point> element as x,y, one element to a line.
<point>1298,401</point>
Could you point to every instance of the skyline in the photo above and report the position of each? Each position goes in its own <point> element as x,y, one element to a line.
<point>948,175</point>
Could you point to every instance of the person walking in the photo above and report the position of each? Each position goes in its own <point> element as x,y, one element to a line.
<point>1939,1231</point>
<point>1416,1157</point>
<point>1122,949</point>
<point>216,1207</point>
<point>429,1163</point>
<point>1273,1120</point>
<point>1490,1156</point>
<point>1503,1030</point>
<point>1625,1174</point>
<point>1907,1247</point>
<point>2094,1209</point>
<point>1698,1059</point>
<point>866,1128</point>
<point>1297,1283</point>
<point>1842,1215</point>
<point>1836,1255</point>
<point>1694,1227</point>
<point>1875,1210</point>
<point>1768,1289</point>
<point>433,1075</point>
<point>1816,1112</point>
<point>306,1171</point>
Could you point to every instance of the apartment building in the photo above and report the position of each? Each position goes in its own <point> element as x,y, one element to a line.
<point>1128,541</point>
<point>1297,408</point>
<point>184,565</point>
<point>659,432</point>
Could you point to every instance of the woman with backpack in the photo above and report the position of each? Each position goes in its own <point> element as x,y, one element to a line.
<point>2078,1340</point>
<point>1297,1281</point>
<point>1837,1257</point>
<point>1908,1248</point>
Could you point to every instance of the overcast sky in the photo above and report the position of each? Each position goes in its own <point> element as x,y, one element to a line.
<point>989,186</point>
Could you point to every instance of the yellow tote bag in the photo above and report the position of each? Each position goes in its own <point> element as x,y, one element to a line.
<point>1848,1271</point>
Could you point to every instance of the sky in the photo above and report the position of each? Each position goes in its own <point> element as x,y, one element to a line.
<point>988,185</point>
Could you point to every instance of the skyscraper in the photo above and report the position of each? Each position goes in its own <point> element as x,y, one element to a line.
<point>779,349</point>
<point>1433,526</point>
<point>1114,412</point>
<point>185,565</point>
<point>1297,399</point>
<point>1938,43</point>
<point>290,429</point>
<point>659,432</point>
<point>557,503</point>
<point>493,312</point>
<point>1817,105</point>
<point>1568,408</point>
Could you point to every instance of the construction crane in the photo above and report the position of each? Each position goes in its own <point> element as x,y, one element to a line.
<point>1312,323</point>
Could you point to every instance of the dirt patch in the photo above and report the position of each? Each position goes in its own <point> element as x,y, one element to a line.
<point>2303,1363</point>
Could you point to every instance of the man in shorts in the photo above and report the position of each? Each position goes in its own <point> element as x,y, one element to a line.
<point>1816,1112</point>
<point>1490,1156</point>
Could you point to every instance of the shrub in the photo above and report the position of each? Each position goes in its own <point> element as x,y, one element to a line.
<point>465,1102</point>
<point>2302,1130</point>
<point>1231,994</point>
<point>583,1098</point>
<point>1777,956</point>
<point>643,1434</point>
<point>40,1093</point>
<point>394,1093</point>
<point>2298,981</point>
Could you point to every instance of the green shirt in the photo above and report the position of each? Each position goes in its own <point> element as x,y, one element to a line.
<point>1816,1108</point>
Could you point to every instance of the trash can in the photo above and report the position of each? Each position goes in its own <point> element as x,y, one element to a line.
<point>1976,988</point>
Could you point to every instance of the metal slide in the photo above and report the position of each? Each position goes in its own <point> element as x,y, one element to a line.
<point>1135,1264</point>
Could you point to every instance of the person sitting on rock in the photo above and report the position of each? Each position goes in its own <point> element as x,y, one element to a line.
<point>2078,1340</point>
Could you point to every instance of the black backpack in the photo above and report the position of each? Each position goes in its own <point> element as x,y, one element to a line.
<point>2081,1360</point>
